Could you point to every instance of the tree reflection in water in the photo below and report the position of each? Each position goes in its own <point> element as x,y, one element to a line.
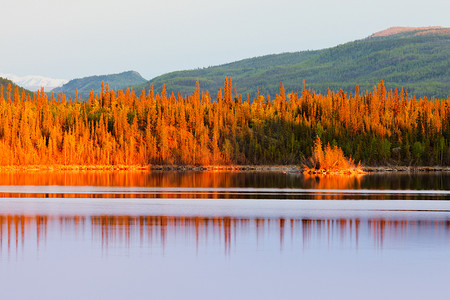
<point>158,231</point>
<point>215,184</point>
<point>227,179</point>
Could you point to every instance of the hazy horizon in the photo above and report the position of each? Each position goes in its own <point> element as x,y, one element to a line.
<point>66,39</point>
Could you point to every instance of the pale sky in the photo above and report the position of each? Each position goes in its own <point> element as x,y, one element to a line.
<point>70,39</point>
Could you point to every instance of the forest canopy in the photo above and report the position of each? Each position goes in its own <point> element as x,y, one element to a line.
<point>121,127</point>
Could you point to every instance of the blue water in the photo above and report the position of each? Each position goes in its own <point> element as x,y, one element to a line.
<point>223,236</point>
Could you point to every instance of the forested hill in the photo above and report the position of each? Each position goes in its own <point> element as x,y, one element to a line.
<point>86,84</point>
<point>4,89</point>
<point>414,58</point>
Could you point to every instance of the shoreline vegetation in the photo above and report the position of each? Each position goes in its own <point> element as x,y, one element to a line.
<point>330,161</point>
<point>118,129</point>
<point>221,168</point>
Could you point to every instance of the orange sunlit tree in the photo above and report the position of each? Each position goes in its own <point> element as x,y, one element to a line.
<point>120,127</point>
<point>330,160</point>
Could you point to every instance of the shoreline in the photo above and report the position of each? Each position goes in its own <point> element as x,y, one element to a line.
<point>231,168</point>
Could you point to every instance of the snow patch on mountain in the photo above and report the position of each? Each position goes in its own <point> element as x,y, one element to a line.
<point>35,82</point>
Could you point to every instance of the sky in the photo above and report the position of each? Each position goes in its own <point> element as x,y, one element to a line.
<point>72,39</point>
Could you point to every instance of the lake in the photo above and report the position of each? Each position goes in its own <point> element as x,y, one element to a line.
<point>223,235</point>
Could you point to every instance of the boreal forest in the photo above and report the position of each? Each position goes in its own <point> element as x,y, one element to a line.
<point>379,126</point>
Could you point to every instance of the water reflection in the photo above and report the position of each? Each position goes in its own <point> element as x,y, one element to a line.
<point>19,232</point>
<point>219,193</point>
<point>412,181</point>
<point>227,235</point>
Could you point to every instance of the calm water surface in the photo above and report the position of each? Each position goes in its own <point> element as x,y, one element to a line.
<point>223,235</point>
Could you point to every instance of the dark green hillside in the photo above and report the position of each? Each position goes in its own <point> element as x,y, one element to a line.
<point>248,73</point>
<point>418,61</point>
<point>87,84</point>
<point>4,82</point>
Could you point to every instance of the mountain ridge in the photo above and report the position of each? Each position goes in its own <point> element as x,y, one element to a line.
<point>391,31</point>
<point>86,84</point>
<point>417,60</point>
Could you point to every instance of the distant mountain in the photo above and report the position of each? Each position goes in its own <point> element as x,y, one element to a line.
<point>87,84</point>
<point>5,82</point>
<point>411,31</point>
<point>35,82</point>
<point>414,58</point>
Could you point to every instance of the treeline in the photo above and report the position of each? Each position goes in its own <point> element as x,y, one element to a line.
<point>120,127</point>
